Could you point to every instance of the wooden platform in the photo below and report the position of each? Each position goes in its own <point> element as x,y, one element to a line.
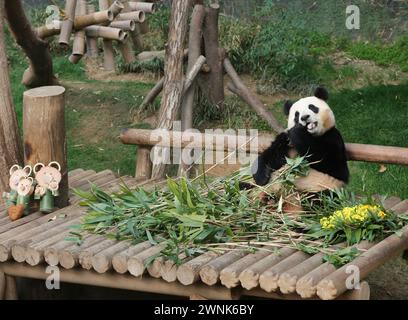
<point>29,245</point>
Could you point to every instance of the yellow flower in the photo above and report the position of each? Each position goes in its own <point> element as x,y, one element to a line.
<point>352,215</point>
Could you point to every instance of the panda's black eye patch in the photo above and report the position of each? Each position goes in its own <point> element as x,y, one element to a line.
<point>313,108</point>
<point>297,117</point>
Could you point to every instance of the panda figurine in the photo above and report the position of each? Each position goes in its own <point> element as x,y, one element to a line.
<point>311,132</point>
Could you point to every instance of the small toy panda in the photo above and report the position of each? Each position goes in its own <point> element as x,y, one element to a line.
<point>311,132</point>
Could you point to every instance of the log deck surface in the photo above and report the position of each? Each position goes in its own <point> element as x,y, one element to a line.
<point>29,245</point>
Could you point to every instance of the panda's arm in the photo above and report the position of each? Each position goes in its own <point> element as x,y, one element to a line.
<point>305,143</point>
<point>271,159</point>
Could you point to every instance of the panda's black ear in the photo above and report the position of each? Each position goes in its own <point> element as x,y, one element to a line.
<point>287,106</point>
<point>322,93</point>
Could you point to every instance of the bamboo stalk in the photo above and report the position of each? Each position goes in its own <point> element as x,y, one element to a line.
<point>91,43</point>
<point>269,279</point>
<point>78,48</point>
<point>68,24</point>
<point>229,276</point>
<point>137,16</point>
<point>210,273</point>
<point>147,7</point>
<point>108,33</point>
<point>116,7</point>
<point>250,276</point>
<point>189,272</point>
<point>108,52</point>
<point>126,25</point>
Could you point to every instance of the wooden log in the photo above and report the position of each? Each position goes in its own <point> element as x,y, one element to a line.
<point>288,279</point>
<point>154,268</point>
<point>107,33</point>
<point>173,81</point>
<point>210,273</point>
<point>401,207</point>
<point>249,278</point>
<point>75,172</point>
<point>383,154</point>
<point>44,132</point>
<point>192,73</point>
<point>241,90</point>
<point>268,280</point>
<point>151,96</point>
<point>108,52</point>
<point>229,276</point>
<point>137,263</point>
<point>126,25</point>
<point>102,261</point>
<point>120,260</point>
<point>92,43</point>
<point>143,163</point>
<point>150,55</point>
<point>39,224</point>
<point>194,45</point>
<point>137,16</point>
<point>85,257</point>
<point>70,257</point>
<point>168,269</point>
<point>147,7</point>
<point>68,24</point>
<point>19,249</point>
<point>35,253</point>
<point>51,253</point>
<point>335,284</point>
<point>126,282</point>
<point>189,272</point>
<point>11,288</point>
<point>215,56</point>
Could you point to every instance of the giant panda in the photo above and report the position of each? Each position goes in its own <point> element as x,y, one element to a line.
<point>311,132</point>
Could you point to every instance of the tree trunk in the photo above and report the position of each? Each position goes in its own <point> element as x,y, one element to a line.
<point>11,151</point>
<point>40,72</point>
<point>173,81</point>
<point>214,81</point>
<point>44,132</point>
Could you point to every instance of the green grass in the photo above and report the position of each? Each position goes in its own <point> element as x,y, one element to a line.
<point>395,53</point>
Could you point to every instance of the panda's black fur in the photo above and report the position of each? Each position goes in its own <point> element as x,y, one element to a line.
<point>326,152</point>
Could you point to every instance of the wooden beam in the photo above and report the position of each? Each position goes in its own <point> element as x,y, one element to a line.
<point>355,151</point>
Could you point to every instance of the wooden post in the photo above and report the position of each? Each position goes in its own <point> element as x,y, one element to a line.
<point>215,55</point>
<point>135,35</point>
<point>143,163</point>
<point>91,43</point>
<point>108,53</point>
<point>2,284</point>
<point>10,142</point>
<point>173,81</point>
<point>11,288</point>
<point>78,48</point>
<point>68,23</point>
<point>44,132</point>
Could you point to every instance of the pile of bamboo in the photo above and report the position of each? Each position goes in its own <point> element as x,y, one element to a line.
<point>38,239</point>
<point>119,21</point>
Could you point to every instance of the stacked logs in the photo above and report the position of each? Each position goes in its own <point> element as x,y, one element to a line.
<point>119,21</point>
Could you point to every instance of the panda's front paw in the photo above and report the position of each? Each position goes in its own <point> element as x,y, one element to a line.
<point>261,172</point>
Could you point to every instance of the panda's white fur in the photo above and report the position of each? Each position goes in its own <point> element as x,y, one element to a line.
<point>317,123</point>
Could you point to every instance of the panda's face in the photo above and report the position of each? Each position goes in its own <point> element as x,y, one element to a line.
<point>312,113</point>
